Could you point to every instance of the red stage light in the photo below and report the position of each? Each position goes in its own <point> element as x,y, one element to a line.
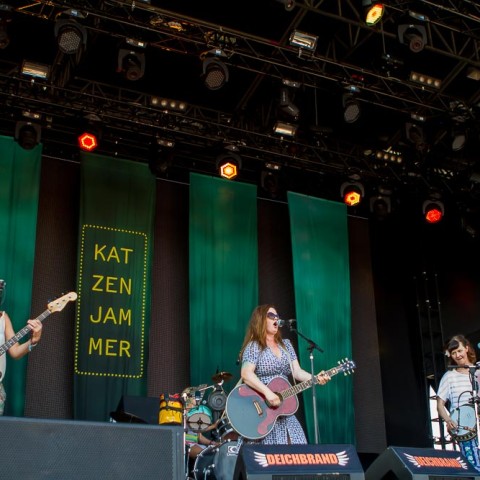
<point>352,193</point>
<point>433,211</point>
<point>88,142</point>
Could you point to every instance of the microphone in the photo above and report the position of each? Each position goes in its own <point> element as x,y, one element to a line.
<point>281,322</point>
<point>3,284</point>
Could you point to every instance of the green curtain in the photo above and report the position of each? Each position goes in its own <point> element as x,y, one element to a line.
<point>223,273</point>
<point>322,295</point>
<point>114,264</point>
<point>19,191</point>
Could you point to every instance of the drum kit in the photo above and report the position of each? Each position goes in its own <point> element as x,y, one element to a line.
<point>205,412</point>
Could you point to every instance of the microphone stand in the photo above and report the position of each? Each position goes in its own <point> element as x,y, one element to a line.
<point>473,381</point>
<point>311,346</point>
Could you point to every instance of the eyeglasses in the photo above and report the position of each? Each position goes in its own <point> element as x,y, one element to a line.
<point>272,316</point>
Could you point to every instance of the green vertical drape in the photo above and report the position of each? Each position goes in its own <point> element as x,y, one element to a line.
<point>322,296</point>
<point>223,272</point>
<point>19,190</point>
<point>114,263</point>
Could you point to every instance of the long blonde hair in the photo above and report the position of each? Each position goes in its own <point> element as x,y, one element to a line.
<point>257,329</point>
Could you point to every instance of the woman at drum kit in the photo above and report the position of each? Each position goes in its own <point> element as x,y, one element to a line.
<point>459,388</point>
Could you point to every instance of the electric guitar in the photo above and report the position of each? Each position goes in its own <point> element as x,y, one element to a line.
<point>250,414</point>
<point>54,306</point>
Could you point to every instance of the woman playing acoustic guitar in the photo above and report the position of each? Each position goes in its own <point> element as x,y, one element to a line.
<point>265,355</point>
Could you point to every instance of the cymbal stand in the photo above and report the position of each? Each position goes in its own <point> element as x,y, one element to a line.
<point>186,447</point>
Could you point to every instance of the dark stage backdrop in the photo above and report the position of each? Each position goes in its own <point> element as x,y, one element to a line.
<point>389,396</point>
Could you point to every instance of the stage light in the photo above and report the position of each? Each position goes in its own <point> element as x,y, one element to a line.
<point>425,80</point>
<point>381,204</point>
<point>35,70</point>
<point>288,4</point>
<point>70,36</point>
<point>168,104</point>
<point>131,59</point>
<point>5,18</point>
<point>88,141</point>
<point>304,41</point>
<point>215,73</point>
<point>285,129</point>
<point>433,210</point>
<point>27,134</point>
<point>352,193</point>
<point>286,104</point>
<point>413,35</point>
<point>373,12</point>
<point>229,165</point>
<point>351,108</point>
<point>459,138</point>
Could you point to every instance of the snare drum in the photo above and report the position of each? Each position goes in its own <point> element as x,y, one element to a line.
<point>216,462</point>
<point>225,431</point>
<point>199,418</point>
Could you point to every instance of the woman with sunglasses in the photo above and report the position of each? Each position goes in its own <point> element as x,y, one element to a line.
<point>266,355</point>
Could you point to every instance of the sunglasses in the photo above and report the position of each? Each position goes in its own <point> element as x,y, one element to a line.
<point>272,316</point>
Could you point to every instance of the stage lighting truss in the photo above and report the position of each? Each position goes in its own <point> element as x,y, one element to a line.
<point>352,193</point>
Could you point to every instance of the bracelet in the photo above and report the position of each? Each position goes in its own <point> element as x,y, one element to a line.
<point>31,346</point>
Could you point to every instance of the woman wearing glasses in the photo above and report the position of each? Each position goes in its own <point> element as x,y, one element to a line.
<point>266,355</point>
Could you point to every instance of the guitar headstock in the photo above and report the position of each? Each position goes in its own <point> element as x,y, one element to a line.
<point>346,366</point>
<point>59,304</point>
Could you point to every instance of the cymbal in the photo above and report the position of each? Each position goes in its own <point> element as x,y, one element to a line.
<point>222,376</point>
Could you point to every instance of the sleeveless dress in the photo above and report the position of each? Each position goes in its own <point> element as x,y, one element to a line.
<point>287,429</point>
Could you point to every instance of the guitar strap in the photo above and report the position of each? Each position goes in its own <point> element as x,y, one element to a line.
<point>289,361</point>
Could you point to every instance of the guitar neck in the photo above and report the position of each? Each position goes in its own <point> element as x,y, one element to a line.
<point>21,333</point>
<point>300,387</point>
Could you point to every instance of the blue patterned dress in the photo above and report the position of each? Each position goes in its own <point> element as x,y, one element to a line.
<point>287,429</point>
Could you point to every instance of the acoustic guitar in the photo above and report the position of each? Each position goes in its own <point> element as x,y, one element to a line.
<point>54,306</point>
<point>249,412</point>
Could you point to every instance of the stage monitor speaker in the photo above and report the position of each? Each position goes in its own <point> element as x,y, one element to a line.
<point>322,462</point>
<point>135,409</point>
<point>72,450</point>
<point>408,463</point>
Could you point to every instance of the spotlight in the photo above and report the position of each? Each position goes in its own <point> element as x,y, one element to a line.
<point>228,165</point>
<point>285,129</point>
<point>304,41</point>
<point>351,107</point>
<point>288,4</point>
<point>27,134</point>
<point>459,137</point>
<point>433,210</point>
<point>88,141</point>
<point>415,36</point>
<point>270,183</point>
<point>287,106</point>
<point>131,61</point>
<point>373,12</point>
<point>35,70</point>
<point>352,193</point>
<point>215,73</point>
<point>70,36</point>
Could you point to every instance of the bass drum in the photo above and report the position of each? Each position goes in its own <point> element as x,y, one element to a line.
<point>225,431</point>
<point>466,421</point>
<point>216,463</point>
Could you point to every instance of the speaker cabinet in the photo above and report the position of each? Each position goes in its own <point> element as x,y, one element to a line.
<point>405,463</point>
<point>267,462</point>
<point>72,450</point>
